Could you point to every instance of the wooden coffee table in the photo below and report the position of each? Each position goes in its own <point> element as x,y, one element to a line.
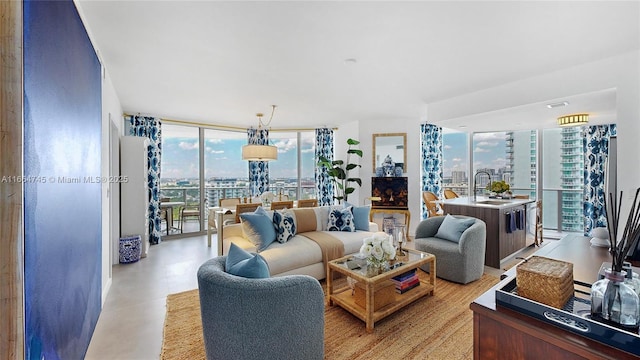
<point>344,298</point>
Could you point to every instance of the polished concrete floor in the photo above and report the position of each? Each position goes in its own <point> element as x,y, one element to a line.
<point>131,322</point>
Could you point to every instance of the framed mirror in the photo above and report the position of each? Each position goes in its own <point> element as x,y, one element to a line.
<point>393,145</point>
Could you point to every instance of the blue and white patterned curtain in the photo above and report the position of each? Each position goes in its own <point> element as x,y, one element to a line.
<point>595,145</point>
<point>431,158</point>
<point>324,147</point>
<point>150,127</point>
<point>258,170</point>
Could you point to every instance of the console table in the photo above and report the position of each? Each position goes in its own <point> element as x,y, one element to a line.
<point>500,333</point>
<point>390,210</point>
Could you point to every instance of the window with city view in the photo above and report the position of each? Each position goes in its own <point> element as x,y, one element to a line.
<point>455,158</point>
<point>225,174</point>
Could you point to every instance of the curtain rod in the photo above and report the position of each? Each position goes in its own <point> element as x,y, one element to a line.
<point>225,127</point>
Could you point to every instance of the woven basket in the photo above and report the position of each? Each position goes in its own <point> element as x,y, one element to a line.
<point>547,281</point>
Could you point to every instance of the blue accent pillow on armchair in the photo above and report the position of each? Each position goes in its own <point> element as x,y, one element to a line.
<point>341,220</point>
<point>452,228</point>
<point>242,263</point>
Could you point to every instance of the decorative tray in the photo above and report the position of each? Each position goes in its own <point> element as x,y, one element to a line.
<point>575,316</point>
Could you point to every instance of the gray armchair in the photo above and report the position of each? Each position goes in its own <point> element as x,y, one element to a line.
<point>274,318</point>
<point>461,262</point>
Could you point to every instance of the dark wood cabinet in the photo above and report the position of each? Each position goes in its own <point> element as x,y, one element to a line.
<point>500,333</point>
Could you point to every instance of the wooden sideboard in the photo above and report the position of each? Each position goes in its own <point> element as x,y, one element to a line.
<point>500,333</point>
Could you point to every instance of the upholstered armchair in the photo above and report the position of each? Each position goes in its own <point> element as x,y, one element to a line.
<point>272,318</point>
<point>461,261</point>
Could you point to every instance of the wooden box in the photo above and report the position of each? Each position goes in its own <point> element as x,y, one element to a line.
<point>385,294</point>
<point>547,281</point>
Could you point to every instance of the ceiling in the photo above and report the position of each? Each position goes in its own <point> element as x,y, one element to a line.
<point>326,63</point>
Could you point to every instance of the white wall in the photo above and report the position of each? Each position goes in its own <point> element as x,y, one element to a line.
<point>412,128</point>
<point>111,112</point>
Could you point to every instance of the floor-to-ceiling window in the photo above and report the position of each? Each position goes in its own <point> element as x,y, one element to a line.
<point>226,175</point>
<point>455,157</point>
<point>563,181</point>
<point>293,173</point>
<point>508,156</point>
<point>180,178</point>
<point>213,162</point>
<point>489,155</point>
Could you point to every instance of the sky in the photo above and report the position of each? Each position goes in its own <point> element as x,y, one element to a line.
<point>223,157</point>
<point>223,153</point>
<point>488,148</point>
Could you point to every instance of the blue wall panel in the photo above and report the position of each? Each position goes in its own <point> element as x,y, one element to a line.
<point>62,116</point>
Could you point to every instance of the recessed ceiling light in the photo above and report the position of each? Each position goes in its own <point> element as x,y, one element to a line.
<point>350,61</point>
<point>560,104</point>
<point>462,126</point>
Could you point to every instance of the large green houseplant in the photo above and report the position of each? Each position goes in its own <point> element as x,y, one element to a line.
<point>338,170</point>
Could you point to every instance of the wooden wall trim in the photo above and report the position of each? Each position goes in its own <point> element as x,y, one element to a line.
<point>11,187</point>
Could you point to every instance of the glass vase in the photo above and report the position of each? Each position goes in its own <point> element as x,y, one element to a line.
<point>399,237</point>
<point>376,267</point>
<point>615,301</point>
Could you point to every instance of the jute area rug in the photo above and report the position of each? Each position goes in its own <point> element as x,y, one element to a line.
<point>433,327</point>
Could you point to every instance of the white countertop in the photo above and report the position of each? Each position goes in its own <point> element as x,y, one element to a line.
<point>485,202</point>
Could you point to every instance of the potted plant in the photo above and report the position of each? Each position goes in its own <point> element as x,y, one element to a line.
<point>338,170</point>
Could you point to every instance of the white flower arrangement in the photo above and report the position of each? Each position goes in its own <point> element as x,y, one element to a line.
<point>267,197</point>
<point>378,249</point>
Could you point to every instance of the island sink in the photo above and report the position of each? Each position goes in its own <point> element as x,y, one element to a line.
<point>494,202</point>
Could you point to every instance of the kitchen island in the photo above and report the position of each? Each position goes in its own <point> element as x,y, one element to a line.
<point>506,223</point>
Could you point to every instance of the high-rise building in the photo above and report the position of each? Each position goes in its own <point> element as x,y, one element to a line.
<point>572,179</point>
<point>520,171</point>
<point>458,177</point>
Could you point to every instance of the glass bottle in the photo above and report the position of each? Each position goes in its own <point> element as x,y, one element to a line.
<point>612,299</point>
<point>631,278</point>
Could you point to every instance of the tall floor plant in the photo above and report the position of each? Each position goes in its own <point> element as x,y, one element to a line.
<point>338,171</point>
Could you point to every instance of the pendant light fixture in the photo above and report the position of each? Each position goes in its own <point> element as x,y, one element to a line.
<point>253,152</point>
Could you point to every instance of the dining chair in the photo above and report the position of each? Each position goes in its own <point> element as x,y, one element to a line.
<point>244,208</point>
<point>538,239</point>
<point>228,203</point>
<point>307,203</point>
<point>450,194</point>
<point>277,205</point>
<point>164,213</point>
<point>189,211</point>
<point>429,201</point>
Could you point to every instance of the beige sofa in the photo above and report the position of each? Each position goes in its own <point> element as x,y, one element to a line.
<point>299,255</point>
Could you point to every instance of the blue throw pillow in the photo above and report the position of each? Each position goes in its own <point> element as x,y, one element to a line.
<point>360,216</point>
<point>258,229</point>
<point>284,224</point>
<point>452,228</point>
<point>242,263</point>
<point>341,220</point>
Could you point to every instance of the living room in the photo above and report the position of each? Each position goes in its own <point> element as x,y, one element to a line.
<point>478,78</point>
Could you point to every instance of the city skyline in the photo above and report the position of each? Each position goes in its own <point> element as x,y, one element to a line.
<point>223,157</point>
<point>180,155</point>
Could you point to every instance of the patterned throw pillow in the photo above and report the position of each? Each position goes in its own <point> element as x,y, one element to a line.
<point>341,220</point>
<point>285,225</point>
